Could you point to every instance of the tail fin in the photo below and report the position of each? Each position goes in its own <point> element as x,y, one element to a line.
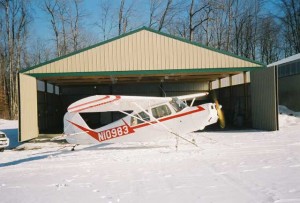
<point>77,131</point>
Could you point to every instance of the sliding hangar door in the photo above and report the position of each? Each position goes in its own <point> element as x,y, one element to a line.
<point>143,62</point>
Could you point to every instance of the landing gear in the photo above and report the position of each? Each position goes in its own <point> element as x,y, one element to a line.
<point>73,148</point>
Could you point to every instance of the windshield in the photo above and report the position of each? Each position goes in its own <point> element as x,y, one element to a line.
<point>177,104</point>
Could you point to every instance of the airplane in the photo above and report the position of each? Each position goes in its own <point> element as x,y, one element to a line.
<point>146,118</point>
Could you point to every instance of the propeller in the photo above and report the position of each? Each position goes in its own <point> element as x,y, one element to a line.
<point>219,111</point>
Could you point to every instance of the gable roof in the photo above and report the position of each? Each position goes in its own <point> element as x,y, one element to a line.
<point>143,49</point>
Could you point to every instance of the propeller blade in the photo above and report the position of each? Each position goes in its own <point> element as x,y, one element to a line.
<point>220,114</point>
<point>219,111</point>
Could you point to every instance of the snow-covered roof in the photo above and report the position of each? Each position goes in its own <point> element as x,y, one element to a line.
<point>285,60</point>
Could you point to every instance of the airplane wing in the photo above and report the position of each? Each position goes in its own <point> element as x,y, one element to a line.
<point>104,103</point>
<point>192,96</point>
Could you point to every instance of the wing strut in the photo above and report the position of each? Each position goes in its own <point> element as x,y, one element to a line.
<point>164,126</point>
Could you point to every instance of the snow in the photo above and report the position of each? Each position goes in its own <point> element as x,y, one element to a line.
<point>231,166</point>
<point>8,124</point>
<point>285,60</point>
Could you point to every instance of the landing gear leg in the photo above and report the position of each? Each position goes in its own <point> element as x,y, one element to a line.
<point>73,148</point>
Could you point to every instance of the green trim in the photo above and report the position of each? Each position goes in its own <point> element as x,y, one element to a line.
<point>144,72</point>
<point>135,31</point>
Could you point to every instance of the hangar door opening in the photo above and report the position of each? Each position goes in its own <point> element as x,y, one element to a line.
<point>54,100</point>
<point>236,105</point>
<point>50,111</point>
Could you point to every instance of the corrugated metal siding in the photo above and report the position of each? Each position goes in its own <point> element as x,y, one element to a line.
<point>143,50</point>
<point>28,119</point>
<point>264,99</point>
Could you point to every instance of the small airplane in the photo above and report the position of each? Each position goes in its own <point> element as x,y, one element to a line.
<point>146,118</point>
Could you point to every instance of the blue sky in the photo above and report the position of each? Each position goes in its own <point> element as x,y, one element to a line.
<point>41,27</point>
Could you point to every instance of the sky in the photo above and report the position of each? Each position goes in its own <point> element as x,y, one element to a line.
<point>42,28</point>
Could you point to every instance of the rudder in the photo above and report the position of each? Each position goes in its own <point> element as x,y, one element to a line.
<point>77,131</point>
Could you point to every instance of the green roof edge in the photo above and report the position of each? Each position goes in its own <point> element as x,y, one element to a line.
<point>139,72</point>
<point>133,32</point>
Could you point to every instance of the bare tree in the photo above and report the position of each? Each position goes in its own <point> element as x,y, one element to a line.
<point>154,6</point>
<point>207,27</point>
<point>163,17</point>
<point>106,23</point>
<point>13,42</point>
<point>51,9</point>
<point>75,16</point>
<point>62,16</point>
<point>201,19</point>
<point>65,18</point>
<point>121,17</point>
<point>74,24</point>
<point>290,20</point>
<point>125,13</point>
<point>269,40</point>
<point>40,52</point>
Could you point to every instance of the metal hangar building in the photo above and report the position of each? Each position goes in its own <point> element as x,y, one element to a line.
<point>145,62</point>
<point>288,81</point>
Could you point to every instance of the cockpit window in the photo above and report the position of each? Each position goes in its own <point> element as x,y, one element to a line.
<point>143,117</point>
<point>177,104</point>
<point>161,111</point>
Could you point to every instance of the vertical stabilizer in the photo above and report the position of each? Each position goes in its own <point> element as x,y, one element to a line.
<point>77,130</point>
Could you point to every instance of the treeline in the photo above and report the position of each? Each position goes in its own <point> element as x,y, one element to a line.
<point>256,29</point>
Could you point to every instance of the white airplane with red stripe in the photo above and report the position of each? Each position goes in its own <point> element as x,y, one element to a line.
<point>150,118</point>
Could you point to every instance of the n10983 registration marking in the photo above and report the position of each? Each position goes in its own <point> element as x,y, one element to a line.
<point>114,132</point>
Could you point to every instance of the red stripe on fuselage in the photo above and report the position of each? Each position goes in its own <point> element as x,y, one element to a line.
<point>200,108</point>
<point>106,97</point>
<point>117,98</point>
<point>92,133</point>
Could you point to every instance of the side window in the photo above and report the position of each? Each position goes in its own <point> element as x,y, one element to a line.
<point>177,104</point>
<point>161,111</point>
<point>143,117</point>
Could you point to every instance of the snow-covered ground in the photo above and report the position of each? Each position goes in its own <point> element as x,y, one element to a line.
<point>236,166</point>
<point>6,124</point>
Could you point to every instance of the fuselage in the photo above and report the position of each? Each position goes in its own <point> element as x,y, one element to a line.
<point>150,124</point>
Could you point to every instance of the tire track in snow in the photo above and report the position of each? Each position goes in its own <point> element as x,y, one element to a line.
<point>253,195</point>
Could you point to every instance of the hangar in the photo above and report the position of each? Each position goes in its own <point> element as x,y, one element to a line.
<point>288,81</point>
<point>150,63</point>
